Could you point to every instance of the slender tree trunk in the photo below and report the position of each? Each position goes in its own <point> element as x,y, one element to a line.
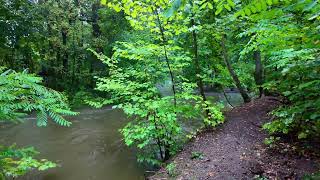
<point>234,76</point>
<point>30,64</point>
<point>164,40</point>
<point>164,147</point>
<point>173,86</point>
<point>225,95</point>
<point>258,75</point>
<point>52,51</point>
<point>197,68</point>
<point>162,156</point>
<point>73,75</point>
<point>166,152</point>
<point>58,75</point>
<point>96,32</point>
<point>64,33</point>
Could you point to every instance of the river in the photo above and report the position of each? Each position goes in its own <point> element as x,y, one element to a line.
<point>91,149</point>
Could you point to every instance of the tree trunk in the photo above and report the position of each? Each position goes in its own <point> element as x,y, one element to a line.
<point>226,97</point>
<point>258,75</point>
<point>64,34</point>
<point>234,76</point>
<point>166,152</point>
<point>198,69</point>
<point>164,41</point>
<point>96,32</point>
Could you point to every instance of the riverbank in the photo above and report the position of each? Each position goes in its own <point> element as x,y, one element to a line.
<point>236,151</point>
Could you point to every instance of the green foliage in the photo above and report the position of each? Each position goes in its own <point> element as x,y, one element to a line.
<point>196,155</point>
<point>142,63</point>
<point>260,177</point>
<point>171,169</point>
<point>270,141</point>
<point>313,176</point>
<point>223,4</point>
<point>259,6</point>
<point>174,6</point>
<point>298,81</point>
<point>17,162</point>
<point>287,34</point>
<point>22,93</point>
<point>155,127</point>
<point>51,38</point>
<point>292,58</point>
<point>146,44</point>
<point>214,111</point>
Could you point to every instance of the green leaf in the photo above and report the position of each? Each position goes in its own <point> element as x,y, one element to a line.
<point>231,3</point>
<point>103,2</point>
<point>218,11</point>
<point>302,135</point>
<point>227,7</point>
<point>174,6</point>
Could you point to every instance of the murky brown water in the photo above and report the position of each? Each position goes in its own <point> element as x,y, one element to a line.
<point>91,149</point>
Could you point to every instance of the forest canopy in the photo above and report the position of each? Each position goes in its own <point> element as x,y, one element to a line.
<point>119,52</point>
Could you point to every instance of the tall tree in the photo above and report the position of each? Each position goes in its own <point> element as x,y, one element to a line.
<point>243,92</point>
<point>258,74</point>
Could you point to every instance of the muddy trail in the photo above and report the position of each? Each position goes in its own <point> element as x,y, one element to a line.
<point>236,150</point>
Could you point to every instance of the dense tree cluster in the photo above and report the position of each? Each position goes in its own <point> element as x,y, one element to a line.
<point>51,39</point>
<point>130,48</point>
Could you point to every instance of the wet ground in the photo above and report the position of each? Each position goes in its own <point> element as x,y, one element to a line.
<point>236,151</point>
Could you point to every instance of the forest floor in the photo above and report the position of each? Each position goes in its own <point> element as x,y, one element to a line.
<point>235,150</point>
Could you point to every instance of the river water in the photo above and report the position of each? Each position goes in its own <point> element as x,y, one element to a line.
<point>91,149</point>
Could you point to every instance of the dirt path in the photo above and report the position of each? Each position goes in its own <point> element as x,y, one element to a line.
<point>236,150</point>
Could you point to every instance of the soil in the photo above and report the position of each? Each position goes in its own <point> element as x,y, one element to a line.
<point>236,150</point>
